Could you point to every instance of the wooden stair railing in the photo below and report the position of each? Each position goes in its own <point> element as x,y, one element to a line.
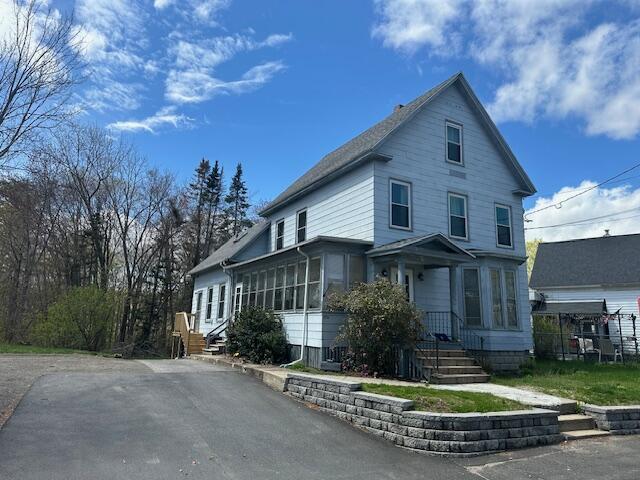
<point>193,341</point>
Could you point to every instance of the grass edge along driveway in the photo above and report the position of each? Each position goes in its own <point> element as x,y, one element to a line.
<point>445,401</point>
<point>598,384</point>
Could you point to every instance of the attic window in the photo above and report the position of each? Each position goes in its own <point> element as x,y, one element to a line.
<point>454,143</point>
<point>301,228</point>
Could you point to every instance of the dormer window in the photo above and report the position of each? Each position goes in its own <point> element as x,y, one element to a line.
<point>280,235</point>
<point>301,226</point>
<point>454,143</point>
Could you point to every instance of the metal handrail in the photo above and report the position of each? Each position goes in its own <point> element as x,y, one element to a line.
<point>219,329</point>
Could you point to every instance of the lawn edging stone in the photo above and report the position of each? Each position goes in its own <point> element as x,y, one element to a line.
<point>452,434</point>
<point>618,419</point>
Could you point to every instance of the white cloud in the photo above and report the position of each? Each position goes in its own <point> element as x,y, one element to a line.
<point>164,117</point>
<point>192,86</point>
<point>552,60</point>
<point>620,205</point>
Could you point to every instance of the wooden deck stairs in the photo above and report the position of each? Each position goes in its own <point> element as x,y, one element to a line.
<point>192,340</point>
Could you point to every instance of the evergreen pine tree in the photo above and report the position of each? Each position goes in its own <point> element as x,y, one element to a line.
<point>237,203</point>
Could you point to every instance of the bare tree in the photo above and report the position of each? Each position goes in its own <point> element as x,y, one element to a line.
<point>39,59</point>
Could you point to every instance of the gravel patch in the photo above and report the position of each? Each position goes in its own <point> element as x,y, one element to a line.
<point>18,372</point>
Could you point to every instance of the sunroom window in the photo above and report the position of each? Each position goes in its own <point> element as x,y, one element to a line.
<point>472,303</point>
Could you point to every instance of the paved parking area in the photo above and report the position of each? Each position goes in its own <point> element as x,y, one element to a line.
<point>167,419</point>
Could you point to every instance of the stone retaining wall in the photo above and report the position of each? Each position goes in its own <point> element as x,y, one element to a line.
<point>622,420</point>
<point>459,434</point>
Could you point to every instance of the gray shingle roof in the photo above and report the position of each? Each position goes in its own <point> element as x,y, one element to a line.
<point>355,150</point>
<point>232,247</point>
<point>613,260</point>
<point>595,307</point>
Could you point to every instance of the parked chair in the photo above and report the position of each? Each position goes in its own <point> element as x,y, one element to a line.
<point>586,345</point>
<point>608,350</point>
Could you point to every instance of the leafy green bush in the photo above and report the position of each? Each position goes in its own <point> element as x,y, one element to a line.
<point>83,318</point>
<point>379,319</point>
<point>546,337</point>
<point>258,335</point>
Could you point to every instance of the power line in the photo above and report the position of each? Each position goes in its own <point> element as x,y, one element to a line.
<point>570,190</point>
<point>559,204</point>
<point>589,221</point>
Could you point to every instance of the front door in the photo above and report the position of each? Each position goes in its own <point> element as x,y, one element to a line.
<point>196,320</point>
<point>408,281</point>
<point>237,300</point>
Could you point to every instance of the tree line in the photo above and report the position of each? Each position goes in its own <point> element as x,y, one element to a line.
<point>95,242</point>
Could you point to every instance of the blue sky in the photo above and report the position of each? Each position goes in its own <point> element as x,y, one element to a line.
<point>278,84</point>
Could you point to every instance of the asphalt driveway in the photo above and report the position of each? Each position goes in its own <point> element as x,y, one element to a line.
<point>169,423</point>
<point>174,419</point>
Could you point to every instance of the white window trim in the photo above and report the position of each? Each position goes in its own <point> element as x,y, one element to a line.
<point>410,213</point>
<point>275,246</point>
<point>457,126</point>
<point>495,212</point>
<point>306,223</point>
<point>466,214</point>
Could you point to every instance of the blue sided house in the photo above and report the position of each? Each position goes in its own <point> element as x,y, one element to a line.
<point>429,197</point>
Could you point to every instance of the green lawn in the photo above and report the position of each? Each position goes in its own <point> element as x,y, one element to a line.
<point>17,348</point>
<point>445,401</point>
<point>600,384</point>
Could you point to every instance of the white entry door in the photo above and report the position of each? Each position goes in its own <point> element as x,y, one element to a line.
<point>408,280</point>
<point>237,300</point>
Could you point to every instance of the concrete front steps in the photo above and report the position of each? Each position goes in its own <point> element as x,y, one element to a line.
<point>454,366</point>
<point>219,347</point>
<point>576,426</point>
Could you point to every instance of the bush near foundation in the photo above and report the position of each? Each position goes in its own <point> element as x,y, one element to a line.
<point>380,320</point>
<point>257,335</point>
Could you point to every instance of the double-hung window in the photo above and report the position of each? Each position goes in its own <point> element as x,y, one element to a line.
<point>511,298</point>
<point>222,291</point>
<point>207,318</point>
<point>400,204</point>
<point>301,226</point>
<point>504,298</point>
<point>472,302</point>
<point>454,143</point>
<point>503,226</point>
<point>280,235</point>
<point>458,224</point>
<point>496,298</point>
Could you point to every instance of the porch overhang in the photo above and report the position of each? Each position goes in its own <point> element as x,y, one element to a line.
<point>433,251</point>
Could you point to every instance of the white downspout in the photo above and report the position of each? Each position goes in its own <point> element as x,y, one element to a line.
<point>228,305</point>
<point>305,314</point>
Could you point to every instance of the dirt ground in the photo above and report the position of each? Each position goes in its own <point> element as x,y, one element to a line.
<point>18,372</point>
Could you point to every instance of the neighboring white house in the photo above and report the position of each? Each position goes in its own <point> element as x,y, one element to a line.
<point>430,197</point>
<point>589,277</point>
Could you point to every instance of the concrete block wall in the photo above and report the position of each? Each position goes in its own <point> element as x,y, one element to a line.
<point>619,420</point>
<point>501,361</point>
<point>455,434</point>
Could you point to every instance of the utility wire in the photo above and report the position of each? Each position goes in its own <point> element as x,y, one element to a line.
<point>559,204</point>
<point>587,221</point>
<point>547,194</point>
